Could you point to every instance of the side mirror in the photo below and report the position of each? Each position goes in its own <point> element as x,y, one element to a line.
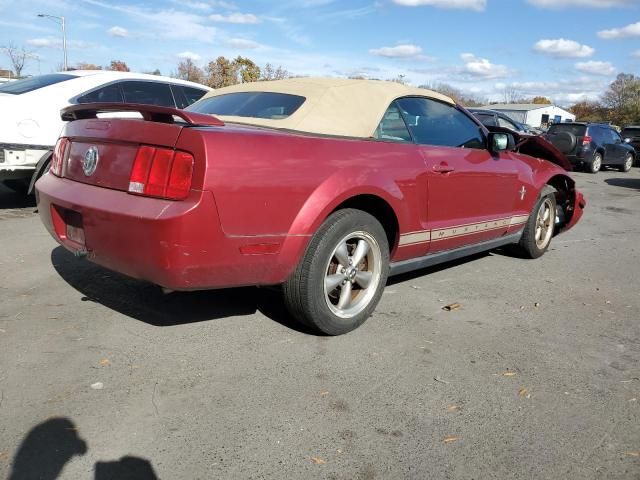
<point>499,142</point>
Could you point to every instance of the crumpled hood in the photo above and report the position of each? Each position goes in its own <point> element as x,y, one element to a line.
<point>538,147</point>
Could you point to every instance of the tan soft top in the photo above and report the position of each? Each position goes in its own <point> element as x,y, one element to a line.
<point>333,106</point>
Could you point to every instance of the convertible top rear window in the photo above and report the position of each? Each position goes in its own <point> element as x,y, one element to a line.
<point>34,83</point>
<point>250,104</point>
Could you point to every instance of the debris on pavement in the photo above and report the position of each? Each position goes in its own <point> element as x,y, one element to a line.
<point>451,439</point>
<point>451,307</point>
<point>438,379</point>
<point>97,386</point>
<point>318,460</point>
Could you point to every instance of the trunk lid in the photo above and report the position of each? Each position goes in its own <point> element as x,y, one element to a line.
<point>102,150</point>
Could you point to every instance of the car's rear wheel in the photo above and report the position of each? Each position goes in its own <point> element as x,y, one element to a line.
<point>595,165</point>
<point>538,231</point>
<point>628,163</point>
<point>339,281</point>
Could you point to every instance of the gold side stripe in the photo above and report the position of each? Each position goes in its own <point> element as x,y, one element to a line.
<point>414,238</point>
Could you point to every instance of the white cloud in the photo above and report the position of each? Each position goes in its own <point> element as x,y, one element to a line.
<point>482,68</point>
<point>399,51</point>
<point>242,18</point>
<point>168,23</point>
<point>563,48</point>
<point>52,42</point>
<point>190,55</point>
<point>632,30</point>
<point>242,43</point>
<point>596,68</point>
<point>558,4</point>
<point>635,54</point>
<point>118,32</point>
<point>478,5</point>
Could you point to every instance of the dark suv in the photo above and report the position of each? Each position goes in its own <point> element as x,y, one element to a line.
<point>631,135</point>
<point>591,145</point>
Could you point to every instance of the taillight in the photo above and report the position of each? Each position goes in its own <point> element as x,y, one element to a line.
<point>586,140</point>
<point>58,156</point>
<point>162,173</point>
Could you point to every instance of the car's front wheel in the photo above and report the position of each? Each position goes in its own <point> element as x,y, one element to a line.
<point>628,163</point>
<point>339,281</point>
<point>538,230</point>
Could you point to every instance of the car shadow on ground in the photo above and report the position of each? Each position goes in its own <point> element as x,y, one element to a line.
<point>147,303</point>
<point>624,182</point>
<point>50,445</point>
<point>10,199</point>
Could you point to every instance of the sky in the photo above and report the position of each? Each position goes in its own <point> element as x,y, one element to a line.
<point>567,50</point>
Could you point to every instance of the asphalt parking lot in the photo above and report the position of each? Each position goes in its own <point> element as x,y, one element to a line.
<point>537,375</point>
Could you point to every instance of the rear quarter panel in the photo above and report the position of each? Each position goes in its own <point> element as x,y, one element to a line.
<point>267,182</point>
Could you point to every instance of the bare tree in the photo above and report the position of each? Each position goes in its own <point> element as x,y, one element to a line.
<point>271,73</point>
<point>511,95</point>
<point>18,57</point>
<point>187,70</point>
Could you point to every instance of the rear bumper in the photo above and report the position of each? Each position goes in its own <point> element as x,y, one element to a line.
<point>177,245</point>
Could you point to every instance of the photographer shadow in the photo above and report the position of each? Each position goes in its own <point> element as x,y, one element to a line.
<point>49,446</point>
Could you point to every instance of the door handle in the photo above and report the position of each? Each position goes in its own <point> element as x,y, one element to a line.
<point>443,167</point>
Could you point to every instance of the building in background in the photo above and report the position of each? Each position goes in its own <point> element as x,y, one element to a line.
<point>5,75</point>
<point>534,114</point>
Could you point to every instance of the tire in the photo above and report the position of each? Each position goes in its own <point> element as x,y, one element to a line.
<point>595,165</point>
<point>538,230</point>
<point>628,163</point>
<point>328,296</point>
<point>565,142</point>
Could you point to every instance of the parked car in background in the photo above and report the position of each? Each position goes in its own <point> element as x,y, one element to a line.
<point>592,145</point>
<point>30,121</point>
<point>324,186</point>
<point>631,135</point>
<point>492,118</point>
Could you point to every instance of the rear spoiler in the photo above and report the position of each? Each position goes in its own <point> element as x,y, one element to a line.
<point>151,113</point>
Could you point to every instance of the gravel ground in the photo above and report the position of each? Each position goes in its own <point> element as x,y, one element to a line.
<point>537,375</point>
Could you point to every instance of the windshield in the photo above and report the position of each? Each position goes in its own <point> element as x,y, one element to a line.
<point>631,132</point>
<point>250,104</point>
<point>577,130</point>
<point>34,83</point>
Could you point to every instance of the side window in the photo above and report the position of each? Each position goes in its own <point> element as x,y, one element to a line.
<point>108,93</point>
<point>392,126</point>
<point>487,119</point>
<point>503,122</point>
<point>148,93</point>
<point>185,96</point>
<point>615,136</point>
<point>436,123</point>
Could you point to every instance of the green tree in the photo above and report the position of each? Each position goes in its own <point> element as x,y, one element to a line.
<point>247,70</point>
<point>221,73</point>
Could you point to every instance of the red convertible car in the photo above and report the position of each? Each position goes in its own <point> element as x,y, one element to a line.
<point>323,186</point>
